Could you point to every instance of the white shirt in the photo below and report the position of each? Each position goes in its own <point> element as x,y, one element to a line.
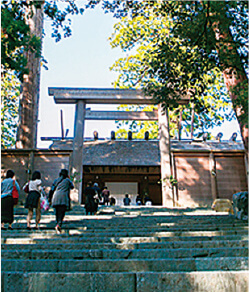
<point>35,185</point>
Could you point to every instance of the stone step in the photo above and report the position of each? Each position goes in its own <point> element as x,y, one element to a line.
<point>151,245</point>
<point>21,227</point>
<point>126,282</point>
<point>36,238</point>
<point>126,265</point>
<point>171,214</point>
<point>134,233</point>
<point>138,215</point>
<point>196,281</point>
<point>35,253</point>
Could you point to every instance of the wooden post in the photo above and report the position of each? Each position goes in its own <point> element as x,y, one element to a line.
<point>180,125</point>
<point>62,126</point>
<point>164,144</point>
<point>192,121</point>
<point>76,168</point>
<point>246,167</point>
<point>212,168</point>
<point>175,187</point>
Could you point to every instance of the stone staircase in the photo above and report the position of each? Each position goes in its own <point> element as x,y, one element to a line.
<point>127,249</point>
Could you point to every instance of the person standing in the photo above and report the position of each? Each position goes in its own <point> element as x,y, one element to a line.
<point>61,197</point>
<point>7,202</point>
<point>127,200</point>
<point>138,200</point>
<point>97,197</point>
<point>105,194</point>
<point>97,190</point>
<point>33,199</point>
<point>89,192</point>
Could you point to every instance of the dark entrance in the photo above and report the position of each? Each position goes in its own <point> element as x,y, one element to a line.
<point>147,178</point>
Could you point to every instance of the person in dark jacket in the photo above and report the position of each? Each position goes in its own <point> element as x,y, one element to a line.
<point>127,200</point>
<point>61,197</point>
<point>89,192</point>
<point>7,202</point>
<point>138,200</point>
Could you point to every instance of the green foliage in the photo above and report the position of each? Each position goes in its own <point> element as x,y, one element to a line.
<point>16,38</point>
<point>10,94</point>
<point>141,36</point>
<point>175,45</point>
<point>75,177</point>
<point>138,128</point>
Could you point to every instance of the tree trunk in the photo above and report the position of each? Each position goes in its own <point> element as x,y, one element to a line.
<point>233,73</point>
<point>29,102</point>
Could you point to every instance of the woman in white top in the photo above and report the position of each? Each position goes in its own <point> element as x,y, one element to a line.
<point>33,199</point>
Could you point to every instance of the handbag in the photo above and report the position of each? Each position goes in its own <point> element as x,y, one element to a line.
<point>26,188</point>
<point>52,190</point>
<point>44,202</point>
<point>15,193</point>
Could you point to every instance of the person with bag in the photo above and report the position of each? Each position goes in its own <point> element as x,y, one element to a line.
<point>33,199</point>
<point>60,197</point>
<point>9,186</point>
<point>97,197</point>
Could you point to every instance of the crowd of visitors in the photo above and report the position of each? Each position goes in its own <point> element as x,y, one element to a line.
<point>59,199</point>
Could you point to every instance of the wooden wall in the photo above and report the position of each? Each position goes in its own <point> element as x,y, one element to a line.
<point>197,184</point>
<point>194,172</point>
<point>23,162</point>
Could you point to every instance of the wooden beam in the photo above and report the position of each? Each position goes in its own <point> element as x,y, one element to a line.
<point>121,115</point>
<point>63,95</point>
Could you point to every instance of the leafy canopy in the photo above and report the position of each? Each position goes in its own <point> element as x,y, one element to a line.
<point>10,93</point>
<point>143,36</point>
<point>16,37</point>
<point>179,43</point>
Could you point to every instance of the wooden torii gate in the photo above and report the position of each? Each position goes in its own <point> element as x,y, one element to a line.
<point>82,96</point>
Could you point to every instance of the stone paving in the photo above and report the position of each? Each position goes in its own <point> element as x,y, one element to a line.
<point>127,249</point>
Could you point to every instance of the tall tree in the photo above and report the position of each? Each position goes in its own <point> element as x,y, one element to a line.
<point>199,37</point>
<point>211,107</point>
<point>21,35</point>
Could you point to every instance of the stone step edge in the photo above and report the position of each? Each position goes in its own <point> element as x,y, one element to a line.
<point>150,265</point>
<point>124,240</point>
<point>149,245</point>
<point>167,233</point>
<point>128,229</point>
<point>130,254</point>
<point>126,282</point>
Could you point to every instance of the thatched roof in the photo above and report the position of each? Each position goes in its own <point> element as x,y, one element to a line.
<point>140,152</point>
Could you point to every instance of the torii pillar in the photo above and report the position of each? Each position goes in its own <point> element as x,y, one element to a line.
<point>76,168</point>
<point>165,153</point>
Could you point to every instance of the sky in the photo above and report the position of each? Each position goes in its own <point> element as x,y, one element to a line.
<point>83,60</point>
